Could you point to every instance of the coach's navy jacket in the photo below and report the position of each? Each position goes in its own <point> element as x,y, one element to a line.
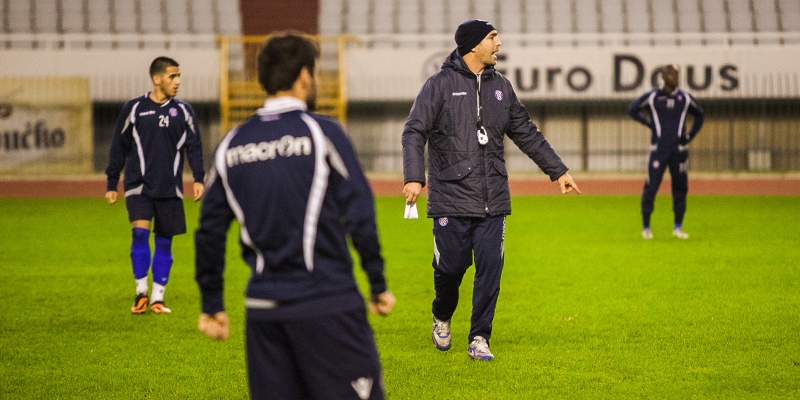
<point>292,180</point>
<point>667,120</point>
<point>466,179</point>
<point>149,141</point>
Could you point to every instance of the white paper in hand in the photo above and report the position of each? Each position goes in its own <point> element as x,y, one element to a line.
<point>411,211</point>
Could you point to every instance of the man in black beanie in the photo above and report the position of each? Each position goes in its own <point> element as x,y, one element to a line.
<point>463,114</point>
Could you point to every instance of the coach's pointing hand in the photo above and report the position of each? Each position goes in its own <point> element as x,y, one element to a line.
<point>382,304</point>
<point>111,196</point>
<point>567,184</point>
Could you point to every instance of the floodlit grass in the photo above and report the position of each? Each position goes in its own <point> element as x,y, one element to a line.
<point>587,309</point>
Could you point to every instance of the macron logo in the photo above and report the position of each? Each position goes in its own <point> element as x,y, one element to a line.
<point>363,387</point>
<point>459,93</point>
<point>286,146</point>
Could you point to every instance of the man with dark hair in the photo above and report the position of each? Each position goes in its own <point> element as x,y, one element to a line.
<point>666,108</point>
<point>463,114</point>
<point>292,180</point>
<point>153,134</point>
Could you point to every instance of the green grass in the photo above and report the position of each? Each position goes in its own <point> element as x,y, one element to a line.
<point>587,309</point>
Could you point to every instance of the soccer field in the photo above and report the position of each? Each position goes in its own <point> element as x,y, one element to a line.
<point>587,308</point>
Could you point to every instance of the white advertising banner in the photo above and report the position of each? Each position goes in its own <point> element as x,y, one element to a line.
<point>45,126</point>
<point>594,73</point>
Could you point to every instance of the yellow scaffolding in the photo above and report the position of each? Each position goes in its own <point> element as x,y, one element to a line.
<point>241,95</point>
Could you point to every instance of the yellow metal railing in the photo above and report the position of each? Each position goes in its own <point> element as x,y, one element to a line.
<point>241,94</point>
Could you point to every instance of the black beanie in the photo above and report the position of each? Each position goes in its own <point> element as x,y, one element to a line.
<point>470,33</point>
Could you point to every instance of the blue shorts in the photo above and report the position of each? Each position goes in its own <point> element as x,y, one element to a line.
<point>168,215</point>
<point>325,357</point>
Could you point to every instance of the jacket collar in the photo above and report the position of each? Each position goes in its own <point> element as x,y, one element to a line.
<point>283,104</point>
<point>455,62</point>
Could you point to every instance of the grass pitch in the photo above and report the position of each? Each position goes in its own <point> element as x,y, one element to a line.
<point>587,308</point>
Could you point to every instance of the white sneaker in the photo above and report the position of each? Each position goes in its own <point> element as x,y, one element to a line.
<point>679,233</point>
<point>479,349</point>
<point>647,233</point>
<point>441,334</point>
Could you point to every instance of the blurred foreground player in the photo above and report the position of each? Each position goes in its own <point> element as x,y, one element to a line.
<point>152,135</point>
<point>291,179</point>
<point>665,109</point>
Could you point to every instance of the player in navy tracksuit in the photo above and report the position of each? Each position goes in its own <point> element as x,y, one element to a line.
<point>152,136</point>
<point>667,108</point>
<point>292,180</point>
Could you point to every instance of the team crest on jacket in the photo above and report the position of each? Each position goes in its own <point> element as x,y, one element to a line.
<point>656,164</point>
<point>443,221</point>
<point>498,95</point>
<point>173,111</point>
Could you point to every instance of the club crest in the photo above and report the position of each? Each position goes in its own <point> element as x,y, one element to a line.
<point>498,95</point>
<point>656,164</point>
<point>443,221</point>
<point>173,111</point>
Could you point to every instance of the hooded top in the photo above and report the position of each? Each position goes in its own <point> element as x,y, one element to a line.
<point>465,178</point>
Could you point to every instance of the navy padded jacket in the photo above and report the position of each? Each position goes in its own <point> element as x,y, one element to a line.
<point>464,178</point>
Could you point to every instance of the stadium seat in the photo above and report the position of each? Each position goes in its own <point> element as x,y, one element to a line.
<point>151,17</point>
<point>790,15</point>
<point>72,16</point>
<point>202,16</point>
<point>433,16</point>
<point>177,17</point>
<point>330,17</point>
<point>99,16</point>
<point>611,16</point>
<point>766,16</point>
<point>535,17</point>
<point>357,17</point>
<point>408,17</point>
<point>587,16</point>
<point>46,16</point>
<point>383,16</point>
<point>457,12</point>
<point>561,20</point>
<point>714,15</point>
<point>663,22</point>
<point>229,18</point>
<point>124,16</point>
<point>688,16</point>
<point>638,16</point>
<point>510,20</point>
<point>19,16</point>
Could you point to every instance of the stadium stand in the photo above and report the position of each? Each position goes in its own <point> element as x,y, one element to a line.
<point>98,17</point>
<point>560,16</point>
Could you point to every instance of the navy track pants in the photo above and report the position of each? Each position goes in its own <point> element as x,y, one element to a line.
<point>455,241</point>
<point>677,161</point>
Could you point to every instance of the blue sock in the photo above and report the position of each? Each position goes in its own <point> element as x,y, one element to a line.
<point>677,226</point>
<point>140,252</point>
<point>162,260</point>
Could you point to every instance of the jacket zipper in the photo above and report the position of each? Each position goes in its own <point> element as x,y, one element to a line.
<point>483,152</point>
